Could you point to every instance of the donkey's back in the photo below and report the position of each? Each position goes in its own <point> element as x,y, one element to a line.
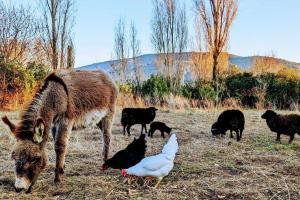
<point>89,91</point>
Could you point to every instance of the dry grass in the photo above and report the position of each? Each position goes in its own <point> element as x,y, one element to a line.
<point>205,168</point>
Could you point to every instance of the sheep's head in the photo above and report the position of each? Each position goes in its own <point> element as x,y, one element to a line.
<point>269,114</point>
<point>215,130</point>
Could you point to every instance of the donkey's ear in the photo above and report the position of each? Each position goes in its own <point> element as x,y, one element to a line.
<point>9,124</point>
<point>39,131</point>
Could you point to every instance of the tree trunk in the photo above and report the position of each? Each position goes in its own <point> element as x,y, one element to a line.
<point>54,36</point>
<point>215,66</point>
<point>70,58</point>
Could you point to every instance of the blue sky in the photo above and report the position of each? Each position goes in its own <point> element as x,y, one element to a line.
<point>263,27</point>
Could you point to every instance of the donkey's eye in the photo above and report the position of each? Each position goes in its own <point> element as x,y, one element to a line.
<point>35,159</point>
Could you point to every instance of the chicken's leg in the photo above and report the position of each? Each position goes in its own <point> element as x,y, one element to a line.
<point>158,183</point>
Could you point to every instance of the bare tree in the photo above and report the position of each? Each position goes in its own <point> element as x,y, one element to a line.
<point>169,36</point>
<point>216,25</point>
<point>182,40</point>
<point>200,58</point>
<point>201,63</point>
<point>264,64</point>
<point>135,52</point>
<point>121,48</point>
<point>17,32</point>
<point>70,56</point>
<point>38,54</point>
<point>57,24</point>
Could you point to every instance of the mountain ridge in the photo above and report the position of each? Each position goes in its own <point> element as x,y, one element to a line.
<point>147,61</point>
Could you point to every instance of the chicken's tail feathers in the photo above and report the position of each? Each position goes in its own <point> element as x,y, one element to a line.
<point>171,147</point>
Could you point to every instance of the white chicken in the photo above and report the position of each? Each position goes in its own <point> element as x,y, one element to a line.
<point>157,166</point>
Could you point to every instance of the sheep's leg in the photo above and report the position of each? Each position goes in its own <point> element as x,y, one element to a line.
<point>231,135</point>
<point>128,129</point>
<point>291,138</point>
<point>150,133</point>
<point>145,126</point>
<point>142,129</point>
<point>162,134</point>
<point>241,132</point>
<point>238,138</point>
<point>124,129</point>
<point>278,138</point>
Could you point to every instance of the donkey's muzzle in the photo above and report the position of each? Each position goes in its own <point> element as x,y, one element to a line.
<point>18,189</point>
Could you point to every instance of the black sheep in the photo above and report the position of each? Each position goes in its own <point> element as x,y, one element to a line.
<point>132,116</point>
<point>282,124</point>
<point>232,120</point>
<point>128,157</point>
<point>162,127</point>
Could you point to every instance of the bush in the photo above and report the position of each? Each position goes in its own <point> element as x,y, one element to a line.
<point>244,88</point>
<point>282,92</point>
<point>278,90</point>
<point>38,71</point>
<point>201,91</point>
<point>155,86</point>
<point>17,78</point>
<point>241,89</point>
<point>125,88</point>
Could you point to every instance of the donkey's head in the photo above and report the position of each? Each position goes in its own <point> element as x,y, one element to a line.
<point>28,153</point>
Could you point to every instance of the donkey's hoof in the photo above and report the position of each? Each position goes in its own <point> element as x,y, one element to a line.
<point>58,179</point>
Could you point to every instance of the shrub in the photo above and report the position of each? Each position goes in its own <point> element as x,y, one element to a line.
<point>156,86</point>
<point>201,91</point>
<point>38,71</point>
<point>282,92</point>
<point>244,88</point>
<point>17,78</point>
<point>237,90</point>
<point>124,88</point>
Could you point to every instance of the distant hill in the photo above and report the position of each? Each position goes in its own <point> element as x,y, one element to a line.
<point>149,66</point>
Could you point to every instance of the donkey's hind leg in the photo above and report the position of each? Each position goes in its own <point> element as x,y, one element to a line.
<point>107,122</point>
<point>60,143</point>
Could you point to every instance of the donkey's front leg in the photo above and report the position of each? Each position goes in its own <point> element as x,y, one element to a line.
<point>61,142</point>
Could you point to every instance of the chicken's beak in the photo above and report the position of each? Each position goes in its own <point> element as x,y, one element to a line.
<point>124,173</point>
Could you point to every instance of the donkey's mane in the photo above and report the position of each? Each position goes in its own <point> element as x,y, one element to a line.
<point>29,117</point>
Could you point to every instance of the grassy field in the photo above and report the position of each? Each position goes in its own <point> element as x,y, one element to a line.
<point>205,168</point>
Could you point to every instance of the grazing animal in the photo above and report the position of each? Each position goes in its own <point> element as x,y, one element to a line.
<point>282,124</point>
<point>162,127</point>
<point>128,157</point>
<point>64,98</point>
<point>157,166</point>
<point>232,120</point>
<point>132,116</point>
